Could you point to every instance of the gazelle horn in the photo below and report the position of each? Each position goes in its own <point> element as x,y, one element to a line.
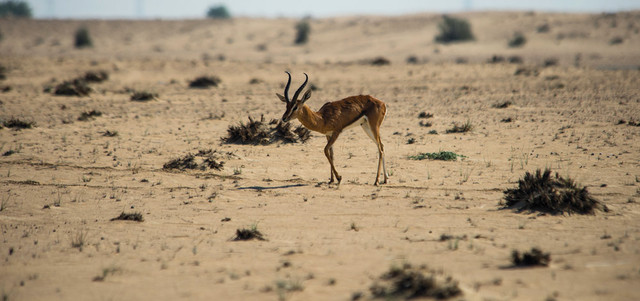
<point>286,88</point>
<point>295,95</point>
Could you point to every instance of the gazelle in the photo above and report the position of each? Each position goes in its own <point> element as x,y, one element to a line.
<point>334,117</point>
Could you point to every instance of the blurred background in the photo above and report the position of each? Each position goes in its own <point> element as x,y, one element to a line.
<point>144,9</point>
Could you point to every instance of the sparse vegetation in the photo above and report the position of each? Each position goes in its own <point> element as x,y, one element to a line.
<point>18,124</point>
<point>425,115</point>
<point>82,38</point>
<point>303,30</point>
<point>17,9</point>
<point>380,61</point>
<point>454,30</point>
<point>544,28</point>
<point>79,239</point>
<point>106,272</point>
<point>90,115</point>
<point>75,87</point>
<point>204,82</point>
<point>407,282</point>
<point>209,160</point>
<point>135,216</point>
<point>143,96</point>
<point>96,76</point>
<point>518,40</point>
<point>248,233</point>
<point>502,105</point>
<point>218,12</point>
<point>259,132</point>
<point>616,41</point>
<point>465,127</point>
<point>535,257</point>
<point>555,195</point>
<point>441,155</point>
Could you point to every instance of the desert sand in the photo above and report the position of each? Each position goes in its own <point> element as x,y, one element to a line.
<point>63,180</point>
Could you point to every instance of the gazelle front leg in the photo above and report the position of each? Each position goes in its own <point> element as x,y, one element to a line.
<point>328,152</point>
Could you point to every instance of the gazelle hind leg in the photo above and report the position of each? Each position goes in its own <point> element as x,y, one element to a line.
<point>376,139</point>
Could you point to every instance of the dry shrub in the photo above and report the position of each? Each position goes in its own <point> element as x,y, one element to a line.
<point>143,96</point>
<point>18,124</point>
<point>535,257</point>
<point>527,71</point>
<point>76,87</point>
<point>96,76</point>
<point>380,61</point>
<point>407,282</point>
<point>248,234</point>
<point>463,128</point>
<point>555,195</point>
<point>209,160</point>
<point>85,116</point>
<point>136,217</point>
<point>502,105</point>
<point>259,132</point>
<point>205,82</point>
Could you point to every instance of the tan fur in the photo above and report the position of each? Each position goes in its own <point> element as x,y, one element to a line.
<point>333,117</point>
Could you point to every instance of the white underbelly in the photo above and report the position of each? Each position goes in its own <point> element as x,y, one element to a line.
<point>358,122</point>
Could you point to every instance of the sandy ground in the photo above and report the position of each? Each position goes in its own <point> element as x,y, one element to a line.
<point>64,179</point>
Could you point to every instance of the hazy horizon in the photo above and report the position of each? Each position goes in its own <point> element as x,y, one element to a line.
<point>188,9</point>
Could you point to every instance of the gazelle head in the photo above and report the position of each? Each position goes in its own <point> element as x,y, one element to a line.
<point>294,104</point>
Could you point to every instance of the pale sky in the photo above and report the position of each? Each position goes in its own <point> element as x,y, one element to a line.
<point>172,9</point>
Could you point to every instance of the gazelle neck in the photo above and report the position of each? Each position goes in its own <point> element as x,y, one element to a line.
<point>310,119</point>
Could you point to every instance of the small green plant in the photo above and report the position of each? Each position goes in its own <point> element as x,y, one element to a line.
<point>454,30</point>
<point>218,12</point>
<point>303,29</point>
<point>82,38</point>
<point>518,40</point>
<point>12,8</point>
<point>441,155</point>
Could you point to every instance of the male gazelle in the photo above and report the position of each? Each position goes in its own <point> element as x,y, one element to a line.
<point>334,117</point>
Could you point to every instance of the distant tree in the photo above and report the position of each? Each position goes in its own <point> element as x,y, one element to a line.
<point>218,12</point>
<point>13,8</point>
<point>82,38</point>
<point>454,30</point>
<point>303,28</point>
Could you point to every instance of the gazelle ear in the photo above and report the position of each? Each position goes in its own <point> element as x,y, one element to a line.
<point>306,96</point>
<point>281,97</point>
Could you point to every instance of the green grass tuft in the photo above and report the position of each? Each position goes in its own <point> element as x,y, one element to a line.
<point>441,155</point>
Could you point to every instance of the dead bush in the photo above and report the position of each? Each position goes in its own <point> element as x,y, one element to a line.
<point>554,195</point>
<point>259,132</point>
<point>136,217</point>
<point>209,159</point>
<point>204,82</point>
<point>96,76</point>
<point>407,282</point>
<point>535,257</point>
<point>76,87</point>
